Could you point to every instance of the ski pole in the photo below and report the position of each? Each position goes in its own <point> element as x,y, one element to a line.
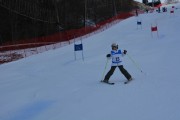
<point>137,66</point>
<point>104,69</point>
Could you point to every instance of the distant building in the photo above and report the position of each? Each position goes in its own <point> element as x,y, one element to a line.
<point>145,2</point>
<point>153,3</point>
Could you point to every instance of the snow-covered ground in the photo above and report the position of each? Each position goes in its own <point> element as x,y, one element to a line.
<point>53,86</point>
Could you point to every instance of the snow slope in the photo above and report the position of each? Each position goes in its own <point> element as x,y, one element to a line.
<point>53,86</point>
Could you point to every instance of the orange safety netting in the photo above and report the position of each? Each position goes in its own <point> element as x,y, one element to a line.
<point>60,36</point>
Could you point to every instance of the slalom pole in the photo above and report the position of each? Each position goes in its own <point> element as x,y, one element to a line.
<point>74,51</point>
<point>104,69</point>
<point>82,51</point>
<point>137,66</point>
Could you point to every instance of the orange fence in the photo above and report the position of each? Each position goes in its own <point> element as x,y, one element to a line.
<point>60,36</point>
<point>37,45</point>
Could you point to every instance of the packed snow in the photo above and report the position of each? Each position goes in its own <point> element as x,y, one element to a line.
<point>55,86</point>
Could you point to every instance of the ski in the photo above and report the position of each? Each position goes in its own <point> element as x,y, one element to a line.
<point>127,81</point>
<point>110,83</point>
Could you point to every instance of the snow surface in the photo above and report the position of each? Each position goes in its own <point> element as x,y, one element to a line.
<point>53,86</point>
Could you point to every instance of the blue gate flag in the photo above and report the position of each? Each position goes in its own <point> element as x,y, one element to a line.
<point>138,23</point>
<point>78,47</point>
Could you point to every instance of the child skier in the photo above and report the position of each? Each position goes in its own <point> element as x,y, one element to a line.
<point>116,55</point>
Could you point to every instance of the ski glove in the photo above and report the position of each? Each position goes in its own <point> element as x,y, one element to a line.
<point>125,51</point>
<point>108,55</point>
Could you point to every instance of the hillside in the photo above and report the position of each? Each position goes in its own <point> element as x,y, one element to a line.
<point>53,86</point>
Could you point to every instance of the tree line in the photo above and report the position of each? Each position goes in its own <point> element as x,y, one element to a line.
<point>23,19</point>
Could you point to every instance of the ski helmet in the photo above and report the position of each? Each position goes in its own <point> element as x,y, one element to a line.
<point>114,45</point>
